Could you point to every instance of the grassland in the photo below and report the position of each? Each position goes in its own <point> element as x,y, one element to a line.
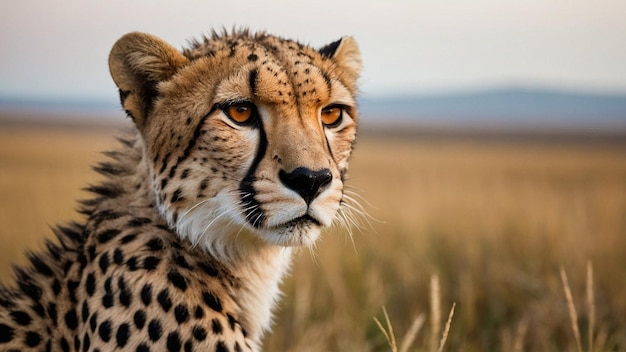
<point>494,220</point>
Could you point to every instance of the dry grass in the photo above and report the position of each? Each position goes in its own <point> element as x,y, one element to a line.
<point>495,221</point>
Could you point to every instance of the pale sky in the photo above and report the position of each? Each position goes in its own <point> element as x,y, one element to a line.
<point>58,49</point>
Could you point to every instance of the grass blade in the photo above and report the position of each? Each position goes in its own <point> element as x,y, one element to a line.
<point>572,310</point>
<point>410,336</point>
<point>435,311</point>
<point>444,337</point>
<point>389,335</point>
<point>591,306</point>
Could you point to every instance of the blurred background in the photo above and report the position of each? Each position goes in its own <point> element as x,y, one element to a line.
<point>492,153</point>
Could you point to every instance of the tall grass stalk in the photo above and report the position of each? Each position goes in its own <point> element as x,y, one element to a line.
<point>572,310</point>
<point>411,334</point>
<point>435,311</point>
<point>591,306</point>
<point>389,335</point>
<point>444,336</point>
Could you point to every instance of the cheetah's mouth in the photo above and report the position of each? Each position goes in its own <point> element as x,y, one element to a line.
<point>299,222</point>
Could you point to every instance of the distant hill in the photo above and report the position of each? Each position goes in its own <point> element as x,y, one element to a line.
<point>504,108</point>
<point>507,107</point>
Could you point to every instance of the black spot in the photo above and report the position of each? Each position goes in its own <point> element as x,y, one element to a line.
<point>181,313</point>
<point>177,280</point>
<point>85,311</point>
<point>91,251</point>
<point>118,256</point>
<point>146,294</point>
<point>105,331</point>
<point>188,121</point>
<point>199,313</point>
<point>188,346</point>
<point>86,342</point>
<point>132,263</point>
<point>107,300</point>
<point>123,333</point>
<point>212,301</point>
<point>173,342</point>
<point>181,261</point>
<point>185,174</point>
<point>177,196</point>
<point>65,346</point>
<point>128,238</point>
<point>155,244</point>
<point>52,312</point>
<point>93,322</point>
<point>32,339</point>
<point>174,168</point>
<point>39,309</point>
<point>253,57</point>
<point>154,330</point>
<point>199,333</point>
<point>21,317</point>
<point>71,320</point>
<point>164,300</point>
<point>90,284</point>
<point>237,347</point>
<point>163,183</point>
<point>165,162</point>
<point>6,333</point>
<point>142,348</point>
<point>104,262</point>
<point>140,319</point>
<point>56,287</point>
<point>231,321</point>
<point>221,347</point>
<point>125,294</point>
<point>138,222</point>
<point>107,285</point>
<point>107,235</point>
<point>151,263</point>
<point>216,326</point>
<point>209,269</point>
<point>76,342</point>
<point>71,288</point>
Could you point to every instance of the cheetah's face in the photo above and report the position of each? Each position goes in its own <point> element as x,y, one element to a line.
<point>243,132</point>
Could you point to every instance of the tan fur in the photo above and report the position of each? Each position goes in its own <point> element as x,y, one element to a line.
<point>187,240</point>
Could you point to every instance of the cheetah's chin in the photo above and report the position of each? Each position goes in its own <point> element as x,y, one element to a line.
<point>300,232</point>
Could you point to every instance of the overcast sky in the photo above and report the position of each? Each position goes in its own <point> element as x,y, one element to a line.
<point>59,49</point>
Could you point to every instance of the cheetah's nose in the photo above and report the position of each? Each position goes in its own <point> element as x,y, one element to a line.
<point>306,182</point>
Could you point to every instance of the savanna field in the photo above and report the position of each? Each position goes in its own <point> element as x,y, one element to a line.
<point>488,224</point>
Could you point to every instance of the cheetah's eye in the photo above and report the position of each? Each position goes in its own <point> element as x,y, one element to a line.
<point>332,115</point>
<point>240,113</point>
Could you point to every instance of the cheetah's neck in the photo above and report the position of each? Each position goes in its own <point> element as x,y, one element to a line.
<point>260,268</point>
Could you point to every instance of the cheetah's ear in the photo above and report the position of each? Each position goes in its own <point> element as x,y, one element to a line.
<point>345,52</point>
<point>138,62</point>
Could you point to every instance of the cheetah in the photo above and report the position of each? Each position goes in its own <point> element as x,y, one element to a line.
<point>238,156</point>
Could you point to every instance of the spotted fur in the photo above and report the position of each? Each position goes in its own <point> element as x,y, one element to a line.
<point>187,239</point>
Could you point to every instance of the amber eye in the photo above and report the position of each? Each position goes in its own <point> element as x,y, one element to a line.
<point>332,115</point>
<point>240,112</point>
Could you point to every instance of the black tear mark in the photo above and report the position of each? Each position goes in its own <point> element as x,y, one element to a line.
<point>254,214</point>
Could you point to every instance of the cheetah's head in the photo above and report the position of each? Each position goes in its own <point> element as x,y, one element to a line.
<point>242,133</point>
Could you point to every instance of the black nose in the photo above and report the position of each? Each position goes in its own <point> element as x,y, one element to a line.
<point>306,182</point>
